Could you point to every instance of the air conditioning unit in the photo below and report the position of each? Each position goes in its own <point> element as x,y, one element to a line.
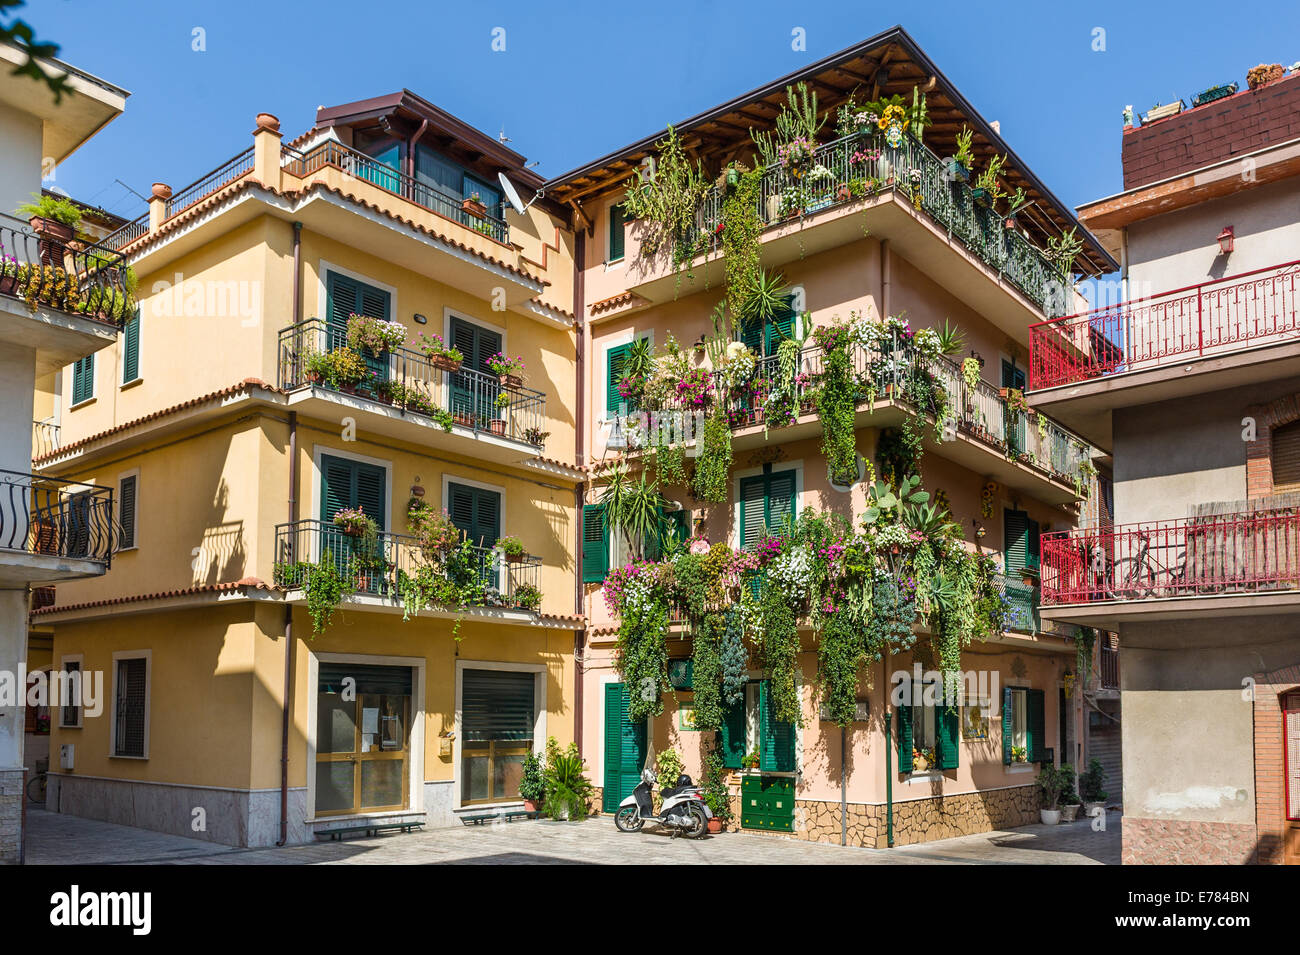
<point>67,752</point>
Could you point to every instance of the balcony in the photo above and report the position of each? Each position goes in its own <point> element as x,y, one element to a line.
<point>64,299</point>
<point>53,530</point>
<point>986,434</point>
<point>1201,338</point>
<point>805,215</point>
<point>409,396</point>
<point>45,438</point>
<point>375,570</point>
<point>1228,564</point>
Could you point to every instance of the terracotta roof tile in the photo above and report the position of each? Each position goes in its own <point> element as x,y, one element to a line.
<point>616,301</point>
<point>244,583</point>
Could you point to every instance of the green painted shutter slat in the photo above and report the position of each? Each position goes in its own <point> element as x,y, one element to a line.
<point>753,498</point>
<point>595,544</point>
<point>751,333</point>
<point>616,243</point>
<point>625,747</point>
<point>779,326</point>
<point>83,379</point>
<point>347,483</point>
<point>126,510</point>
<point>131,348</point>
<point>476,512</point>
<point>472,395</point>
<point>1007,725</point>
<point>615,362</point>
<point>776,744</point>
<point>654,544</point>
<point>370,493</point>
<point>1015,526</point>
<point>905,739</point>
<point>731,737</point>
<point>1036,724</point>
<point>946,736</point>
<point>780,496</point>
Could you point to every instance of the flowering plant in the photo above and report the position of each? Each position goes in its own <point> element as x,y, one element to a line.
<point>375,335</point>
<point>434,347</point>
<point>797,153</point>
<point>354,522</point>
<point>693,388</point>
<point>863,156</point>
<point>503,365</point>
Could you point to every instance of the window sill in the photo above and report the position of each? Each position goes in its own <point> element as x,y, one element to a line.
<point>923,776</point>
<point>124,756</point>
<point>126,550</point>
<point>613,264</point>
<point>70,726</point>
<point>81,404</point>
<point>1020,768</point>
<point>131,384</point>
<point>488,806</point>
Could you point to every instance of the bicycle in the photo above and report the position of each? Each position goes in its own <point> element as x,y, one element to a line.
<point>36,787</point>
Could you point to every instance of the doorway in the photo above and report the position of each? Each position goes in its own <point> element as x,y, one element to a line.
<point>363,751</point>
<point>1291,773</point>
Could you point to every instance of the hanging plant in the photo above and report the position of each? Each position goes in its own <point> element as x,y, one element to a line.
<point>837,404</point>
<point>713,469</point>
<point>733,658</point>
<point>781,655</point>
<point>707,678</point>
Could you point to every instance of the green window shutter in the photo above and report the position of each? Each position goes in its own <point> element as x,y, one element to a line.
<point>751,333</point>
<point>654,543</point>
<point>346,483</point>
<point>83,379</point>
<point>779,326</point>
<point>1007,725</point>
<point>625,747</point>
<point>776,737</point>
<point>753,505</point>
<point>1036,724</point>
<point>904,739</point>
<point>946,736</point>
<point>476,512</point>
<point>126,509</point>
<point>1032,539</point>
<point>595,544</point>
<point>731,737</point>
<point>472,396</point>
<point>780,499</point>
<point>131,348</point>
<point>615,362</point>
<point>1015,528</point>
<point>346,296</point>
<point>616,220</point>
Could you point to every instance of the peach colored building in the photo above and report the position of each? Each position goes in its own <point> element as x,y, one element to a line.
<point>912,243</point>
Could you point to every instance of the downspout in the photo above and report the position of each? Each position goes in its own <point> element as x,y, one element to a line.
<point>844,791</point>
<point>885,270</point>
<point>579,492</point>
<point>889,763</point>
<point>410,148</point>
<point>287,714</point>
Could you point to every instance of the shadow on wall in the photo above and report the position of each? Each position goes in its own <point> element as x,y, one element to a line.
<point>220,556</point>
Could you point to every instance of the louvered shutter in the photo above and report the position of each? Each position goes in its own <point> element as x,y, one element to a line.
<point>474,395</point>
<point>126,510</point>
<point>370,482</point>
<point>731,736</point>
<point>615,363</point>
<point>1036,725</point>
<point>1286,458</point>
<point>946,733</point>
<point>905,739</point>
<point>752,334</point>
<point>1015,525</point>
<point>595,544</point>
<point>616,244</point>
<point>753,501</point>
<point>1008,725</point>
<point>625,747</point>
<point>347,483</point>
<point>497,705</point>
<point>476,512</point>
<point>341,300</point>
<point>131,348</point>
<point>83,379</point>
<point>780,496</point>
<point>779,326</point>
<point>776,737</point>
<point>129,734</point>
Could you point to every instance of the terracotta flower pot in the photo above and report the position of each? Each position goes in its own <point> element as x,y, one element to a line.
<point>512,382</point>
<point>497,425</point>
<point>514,558</point>
<point>715,825</point>
<point>443,363</point>
<point>530,806</point>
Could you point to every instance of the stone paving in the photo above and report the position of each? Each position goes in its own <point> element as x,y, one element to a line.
<point>62,840</point>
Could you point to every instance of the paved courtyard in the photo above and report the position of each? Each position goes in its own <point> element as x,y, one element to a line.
<point>55,839</point>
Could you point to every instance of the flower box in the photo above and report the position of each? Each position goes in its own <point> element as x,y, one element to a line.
<point>443,363</point>
<point>956,170</point>
<point>474,208</point>
<point>511,382</point>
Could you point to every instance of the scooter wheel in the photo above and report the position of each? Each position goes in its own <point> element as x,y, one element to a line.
<point>699,823</point>
<point>627,820</point>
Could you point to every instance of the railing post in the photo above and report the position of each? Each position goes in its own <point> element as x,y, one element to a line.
<point>266,150</point>
<point>158,205</point>
<point>1200,323</point>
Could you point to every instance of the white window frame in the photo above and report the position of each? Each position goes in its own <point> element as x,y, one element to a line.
<point>539,672</point>
<point>1022,688</point>
<point>80,660</point>
<point>118,655</point>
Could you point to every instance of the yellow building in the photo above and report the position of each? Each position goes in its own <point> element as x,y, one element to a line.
<point>284,434</point>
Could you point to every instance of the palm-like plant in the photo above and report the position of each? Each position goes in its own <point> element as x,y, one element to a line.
<point>633,506</point>
<point>951,340</point>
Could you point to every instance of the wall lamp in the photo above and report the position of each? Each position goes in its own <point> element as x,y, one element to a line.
<point>1226,240</point>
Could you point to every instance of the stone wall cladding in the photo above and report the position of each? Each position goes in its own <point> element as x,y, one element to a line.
<point>1270,788</point>
<point>1242,123</point>
<point>1180,842</point>
<point>11,814</point>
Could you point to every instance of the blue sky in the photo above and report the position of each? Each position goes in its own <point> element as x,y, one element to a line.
<point>568,90</point>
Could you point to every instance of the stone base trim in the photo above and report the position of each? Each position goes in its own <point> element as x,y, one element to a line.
<point>12,784</point>
<point>1183,842</point>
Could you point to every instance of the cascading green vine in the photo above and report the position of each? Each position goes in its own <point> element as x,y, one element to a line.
<point>741,235</point>
<point>642,649</point>
<point>707,677</point>
<point>780,653</point>
<point>325,588</point>
<point>733,659</point>
<point>713,469</point>
<point>837,400</point>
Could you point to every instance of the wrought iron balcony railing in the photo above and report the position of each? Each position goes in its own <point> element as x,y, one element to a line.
<point>1198,556</point>
<point>45,438</point>
<point>358,164</point>
<point>863,164</point>
<point>56,518</point>
<point>71,276</point>
<point>377,567</point>
<point>415,384</point>
<point>1214,318</point>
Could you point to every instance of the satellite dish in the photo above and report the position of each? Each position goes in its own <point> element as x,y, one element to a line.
<point>508,188</point>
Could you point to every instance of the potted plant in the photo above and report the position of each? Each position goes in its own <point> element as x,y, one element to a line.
<point>317,367</point>
<point>513,549</point>
<point>536,436</point>
<point>441,355</point>
<point>345,370</point>
<point>510,371</point>
<point>353,522</point>
<point>1019,754</point>
<point>1050,786</point>
<point>528,597</point>
<point>959,164</point>
<point>717,796</point>
<point>987,191</point>
<point>473,204</point>
<point>922,759</point>
<point>751,759</point>
<point>54,220</point>
<point>532,786</point>
<point>1091,782</point>
<point>375,336</point>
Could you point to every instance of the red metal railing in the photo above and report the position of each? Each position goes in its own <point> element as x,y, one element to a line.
<point>1223,553</point>
<point>1230,314</point>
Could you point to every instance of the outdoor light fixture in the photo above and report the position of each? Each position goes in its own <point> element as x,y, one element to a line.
<point>1225,240</point>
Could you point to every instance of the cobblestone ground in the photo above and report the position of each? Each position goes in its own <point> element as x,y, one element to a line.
<point>64,840</point>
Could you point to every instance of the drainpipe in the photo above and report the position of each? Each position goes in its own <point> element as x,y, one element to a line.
<point>410,148</point>
<point>297,275</point>
<point>884,278</point>
<point>580,412</point>
<point>287,713</point>
<point>889,764</point>
<point>844,792</point>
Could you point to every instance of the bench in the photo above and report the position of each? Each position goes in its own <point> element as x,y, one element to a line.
<point>370,829</point>
<point>510,816</point>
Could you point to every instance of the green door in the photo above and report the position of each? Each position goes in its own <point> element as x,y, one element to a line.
<point>625,747</point>
<point>1013,377</point>
<point>476,512</point>
<point>346,483</point>
<point>346,296</point>
<point>474,389</point>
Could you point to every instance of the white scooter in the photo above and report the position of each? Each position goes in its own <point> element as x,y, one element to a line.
<point>683,811</point>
